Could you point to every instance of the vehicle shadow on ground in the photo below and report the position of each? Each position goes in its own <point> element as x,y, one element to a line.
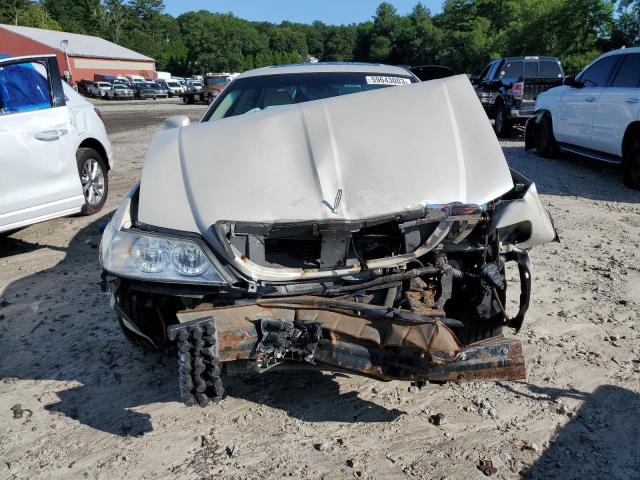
<point>571,176</point>
<point>602,440</point>
<point>56,325</point>
<point>308,396</point>
<point>10,246</point>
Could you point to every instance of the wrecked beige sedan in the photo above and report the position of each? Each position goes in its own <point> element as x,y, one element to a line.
<point>336,217</point>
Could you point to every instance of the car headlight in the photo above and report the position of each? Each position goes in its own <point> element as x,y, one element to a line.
<point>151,257</point>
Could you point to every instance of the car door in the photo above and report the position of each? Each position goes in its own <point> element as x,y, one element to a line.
<point>574,122</point>
<point>37,144</point>
<point>618,106</point>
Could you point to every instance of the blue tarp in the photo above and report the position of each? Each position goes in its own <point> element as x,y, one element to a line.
<point>22,88</point>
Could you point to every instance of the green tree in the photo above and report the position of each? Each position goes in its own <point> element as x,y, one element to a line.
<point>116,17</point>
<point>339,43</point>
<point>10,10</point>
<point>36,16</point>
<point>424,38</point>
<point>626,31</point>
<point>77,16</point>
<point>386,35</point>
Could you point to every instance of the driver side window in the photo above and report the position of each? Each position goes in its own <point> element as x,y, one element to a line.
<point>598,74</point>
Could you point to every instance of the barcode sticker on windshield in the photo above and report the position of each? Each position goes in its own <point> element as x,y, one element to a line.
<point>379,80</point>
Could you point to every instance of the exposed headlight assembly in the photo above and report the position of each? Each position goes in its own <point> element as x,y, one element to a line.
<point>146,256</point>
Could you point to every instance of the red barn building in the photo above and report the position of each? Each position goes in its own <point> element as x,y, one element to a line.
<point>80,57</point>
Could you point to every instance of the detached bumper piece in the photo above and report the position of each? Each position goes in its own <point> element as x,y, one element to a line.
<point>198,364</point>
<point>255,339</point>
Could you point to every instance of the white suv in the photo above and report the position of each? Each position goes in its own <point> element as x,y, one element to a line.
<point>54,151</point>
<point>596,114</point>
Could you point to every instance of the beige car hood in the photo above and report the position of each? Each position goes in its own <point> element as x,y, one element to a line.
<point>387,151</point>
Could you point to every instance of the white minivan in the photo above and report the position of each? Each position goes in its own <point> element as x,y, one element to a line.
<point>55,155</point>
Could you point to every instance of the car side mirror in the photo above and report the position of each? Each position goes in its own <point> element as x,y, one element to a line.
<point>571,81</point>
<point>177,121</point>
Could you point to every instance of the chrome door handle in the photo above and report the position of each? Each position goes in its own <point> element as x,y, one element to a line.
<point>590,99</point>
<point>51,135</point>
<point>632,100</point>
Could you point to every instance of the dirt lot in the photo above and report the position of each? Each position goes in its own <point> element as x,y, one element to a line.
<point>78,401</point>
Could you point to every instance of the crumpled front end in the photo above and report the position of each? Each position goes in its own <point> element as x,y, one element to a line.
<point>421,299</point>
<point>434,316</point>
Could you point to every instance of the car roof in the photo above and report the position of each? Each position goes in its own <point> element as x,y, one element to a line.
<point>533,58</point>
<point>326,67</point>
<point>621,51</point>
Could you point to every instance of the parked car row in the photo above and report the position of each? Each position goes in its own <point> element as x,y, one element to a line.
<point>121,89</point>
<point>595,114</point>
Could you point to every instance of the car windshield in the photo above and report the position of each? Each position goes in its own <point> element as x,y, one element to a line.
<point>219,81</point>
<point>253,94</point>
<point>173,84</point>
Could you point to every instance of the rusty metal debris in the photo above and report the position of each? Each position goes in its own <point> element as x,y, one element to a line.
<point>486,466</point>
<point>377,347</point>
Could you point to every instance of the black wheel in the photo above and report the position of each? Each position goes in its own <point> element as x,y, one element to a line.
<point>209,99</point>
<point>631,167</point>
<point>545,141</point>
<point>92,169</point>
<point>503,124</point>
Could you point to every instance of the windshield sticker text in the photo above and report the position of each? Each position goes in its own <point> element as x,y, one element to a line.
<point>379,80</point>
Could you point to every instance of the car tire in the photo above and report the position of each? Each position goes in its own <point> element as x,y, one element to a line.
<point>545,142</point>
<point>209,99</point>
<point>503,124</point>
<point>631,167</point>
<point>94,178</point>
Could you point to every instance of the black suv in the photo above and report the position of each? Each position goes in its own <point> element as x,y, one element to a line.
<point>508,87</point>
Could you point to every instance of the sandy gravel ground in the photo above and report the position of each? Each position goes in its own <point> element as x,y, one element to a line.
<point>78,401</point>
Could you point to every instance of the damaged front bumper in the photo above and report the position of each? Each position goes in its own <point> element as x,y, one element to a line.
<point>276,335</point>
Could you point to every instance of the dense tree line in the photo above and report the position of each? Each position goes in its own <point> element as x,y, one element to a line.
<point>465,35</point>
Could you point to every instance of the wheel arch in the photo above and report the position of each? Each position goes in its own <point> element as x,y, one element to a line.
<point>98,147</point>
<point>631,133</point>
<point>541,112</point>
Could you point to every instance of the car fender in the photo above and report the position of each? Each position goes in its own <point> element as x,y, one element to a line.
<point>549,101</point>
<point>523,222</point>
